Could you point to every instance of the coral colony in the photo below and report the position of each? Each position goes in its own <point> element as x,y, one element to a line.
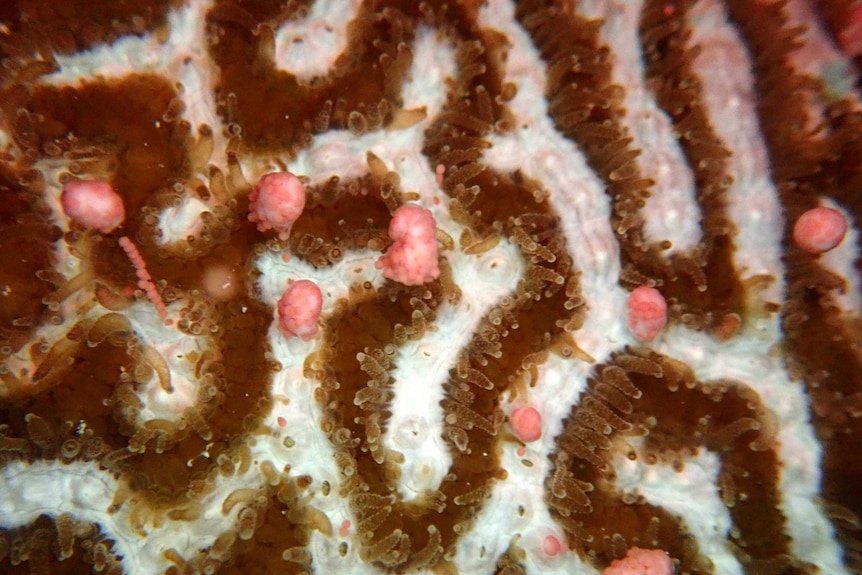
<point>384,286</point>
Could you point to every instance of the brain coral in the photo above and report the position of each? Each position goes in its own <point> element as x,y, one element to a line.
<point>155,419</point>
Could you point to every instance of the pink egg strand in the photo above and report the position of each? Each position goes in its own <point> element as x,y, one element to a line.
<point>145,281</point>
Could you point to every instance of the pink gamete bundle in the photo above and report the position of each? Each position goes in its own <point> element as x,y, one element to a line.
<point>526,423</point>
<point>412,259</point>
<point>299,310</point>
<point>647,313</point>
<point>93,204</point>
<point>276,202</point>
<point>819,230</point>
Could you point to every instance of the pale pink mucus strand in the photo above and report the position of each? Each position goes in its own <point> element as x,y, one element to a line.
<point>299,310</point>
<point>277,201</point>
<point>93,204</point>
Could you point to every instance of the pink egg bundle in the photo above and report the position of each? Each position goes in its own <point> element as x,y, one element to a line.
<point>93,204</point>
<point>277,202</point>
<point>820,230</point>
<point>646,313</point>
<point>412,259</point>
<point>526,423</point>
<point>299,310</point>
<point>642,562</point>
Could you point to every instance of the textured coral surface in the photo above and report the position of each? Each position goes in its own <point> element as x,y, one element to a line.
<point>494,415</point>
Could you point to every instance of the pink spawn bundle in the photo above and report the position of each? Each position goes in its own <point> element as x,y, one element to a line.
<point>93,204</point>
<point>412,259</point>
<point>642,562</point>
<point>276,203</point>
<point>526,423</point>
<point>820,230</point>
<point>299,310</point>
<point>646,313</point>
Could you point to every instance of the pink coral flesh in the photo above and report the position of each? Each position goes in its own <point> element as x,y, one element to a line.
<point>642,562</point>
<point>277,202</point>
<point>93,204</point>
<point>526,423</point>
<point>299,310</point>
<point>819,230</point>
<point>412,259</point>
<point>647,313</point>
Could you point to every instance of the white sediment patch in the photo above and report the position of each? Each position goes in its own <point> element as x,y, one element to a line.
<point>536,148</point>
<point>754,208</point>
<point>576,192</point>
<point>749,359</point>
<point>86,492</point>
<point>141,54</point>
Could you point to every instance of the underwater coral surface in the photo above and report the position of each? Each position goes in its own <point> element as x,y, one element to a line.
<point>450,287</point>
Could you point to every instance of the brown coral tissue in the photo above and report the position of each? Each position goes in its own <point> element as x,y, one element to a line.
<point>500,418</point>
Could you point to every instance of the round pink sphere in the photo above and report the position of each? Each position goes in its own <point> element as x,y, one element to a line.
<point>552,546</point>
<point>819,230</point>
<point>646,313</point>
<point>277,202</point>
<point>526,423</point>
<point>299,310</point>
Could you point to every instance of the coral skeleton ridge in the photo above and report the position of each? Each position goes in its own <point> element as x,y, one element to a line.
<point>451,287</point>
